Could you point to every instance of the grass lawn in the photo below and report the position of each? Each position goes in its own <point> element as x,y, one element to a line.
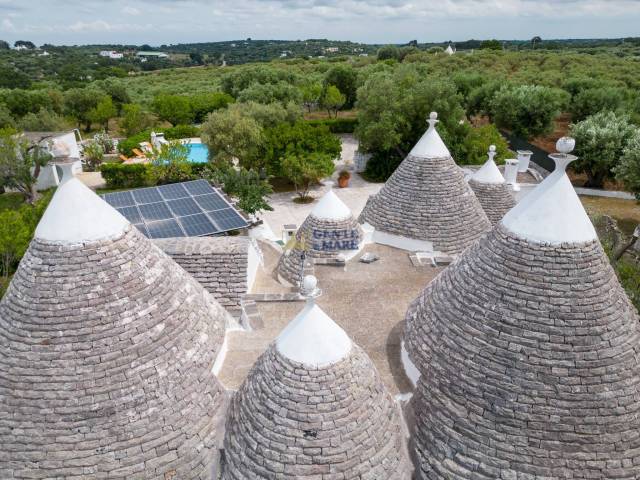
<point>10,201</point>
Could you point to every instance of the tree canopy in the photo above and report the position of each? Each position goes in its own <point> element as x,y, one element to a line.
<point>601,140</point>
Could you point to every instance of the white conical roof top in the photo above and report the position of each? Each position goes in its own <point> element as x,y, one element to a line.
<point>330,207</point>
<point>313,338</point>
<point>552,212</point>
<point>489,172</point>
<point>430,145</point>
<point>76,214</point>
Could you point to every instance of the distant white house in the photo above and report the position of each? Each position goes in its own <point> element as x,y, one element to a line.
<point>144,54</point>
<point>332,50</point>
<point>449,50</point>
<point>111,54</point>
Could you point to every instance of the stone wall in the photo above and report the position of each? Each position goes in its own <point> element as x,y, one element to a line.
<point>219,264</point>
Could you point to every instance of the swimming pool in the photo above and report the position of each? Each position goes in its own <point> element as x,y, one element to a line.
<point>198,153</point>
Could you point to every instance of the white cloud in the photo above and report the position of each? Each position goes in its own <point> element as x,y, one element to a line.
<point>8,26</point>
<point>100,26</point>
<point>128,10</point>
<point>381,21</point>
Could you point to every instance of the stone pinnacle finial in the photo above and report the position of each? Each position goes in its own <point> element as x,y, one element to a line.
<point>433,120</point>
<point>310,288</point>
<point>492,152</point>
<point>565,146</point>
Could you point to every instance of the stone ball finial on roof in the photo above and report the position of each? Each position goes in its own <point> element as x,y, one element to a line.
<point>433,120</point>
<point>309,285</point>
<point>492,151</point>
<point>566,145</point>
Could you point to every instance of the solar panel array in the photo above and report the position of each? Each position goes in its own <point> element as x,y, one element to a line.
<point>188,209</point>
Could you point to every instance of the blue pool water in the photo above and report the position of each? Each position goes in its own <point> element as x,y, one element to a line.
<point>198,153</point>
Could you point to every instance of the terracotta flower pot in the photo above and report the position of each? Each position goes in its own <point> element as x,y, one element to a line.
<point>343,182</point>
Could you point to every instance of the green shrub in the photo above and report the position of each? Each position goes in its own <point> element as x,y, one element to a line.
<point>628,169</point>
<point>300,139</point>
<point>117,175</point>
<point>380,167</point>
<point>601,140</point>
<point>127,145</point>
<point>246,185</point>
<point>180,131</point>
<point>93,155</point>
<point>629,274</point>
<point>336,125</point>
<point>596,100</point>
<point>170,164</point>
<point>477,143</point>
<point>528,110</point>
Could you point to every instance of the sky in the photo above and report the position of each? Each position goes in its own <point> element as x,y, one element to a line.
<point>157,22</point>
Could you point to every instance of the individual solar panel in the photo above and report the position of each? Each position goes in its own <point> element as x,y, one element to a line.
<point>198,187</point>
<point>155,211</point>
<point>143,229</point>
<point>212,202</point>
<point>192,208</point>
<point>147,195</point>
<point>131,213</point>
<point>197,225</point>
<point>120,199</point>
<point>184,206</point>
<point>164,229</point>
<point>173,191</point>
<point>227,219</point>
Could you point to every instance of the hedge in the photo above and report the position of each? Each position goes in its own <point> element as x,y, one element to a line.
<point>178,132</point>
<point>337,125</point>
<point>118,175</point>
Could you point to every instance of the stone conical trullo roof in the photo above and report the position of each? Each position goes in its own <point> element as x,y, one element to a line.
<point>329,229</point>
<point>314,406</point>
<point>106,353</point>
<point>493,193</point>
<point>529,351</point>
<point>427,198</point>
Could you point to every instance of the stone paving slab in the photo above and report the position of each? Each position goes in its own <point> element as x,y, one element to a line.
<point>368,300</point>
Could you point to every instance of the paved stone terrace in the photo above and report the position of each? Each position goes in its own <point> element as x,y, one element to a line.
<point>368,301</point>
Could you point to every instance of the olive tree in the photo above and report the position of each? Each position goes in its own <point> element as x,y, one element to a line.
<point>230,134</point>
<point>528,110</point>
<point>20,164</point>
<point>628,169</point>
<point>601,140</point>
<point>393,108</point>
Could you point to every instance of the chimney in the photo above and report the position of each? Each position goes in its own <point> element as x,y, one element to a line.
<point>524,157</point>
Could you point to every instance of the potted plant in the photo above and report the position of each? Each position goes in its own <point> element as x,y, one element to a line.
<point>343,178</point>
